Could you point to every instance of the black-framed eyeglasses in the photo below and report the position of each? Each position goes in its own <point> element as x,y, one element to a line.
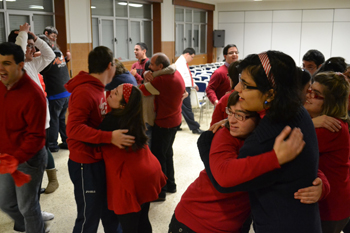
<point>237,115</point>
<point>245,86</point>
<point>314,95</point>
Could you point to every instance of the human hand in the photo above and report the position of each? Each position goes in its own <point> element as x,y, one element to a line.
<point>216,103</point>
<point>287,150</point>
<point>24,28</point>
<point>148,76</point>
<point>184,95</point>
<point>121,140</point>
<point>133,71</point>
<point>327,122</point>
<point>68,55</point>
<point>37,54</point>
<point>215,127</point>
<point>196,87</point>
<point>310,194</point>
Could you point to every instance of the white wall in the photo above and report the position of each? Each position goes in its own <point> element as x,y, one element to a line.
<point>290,28</point>
<point>168,18</point>
<point>78,21</point>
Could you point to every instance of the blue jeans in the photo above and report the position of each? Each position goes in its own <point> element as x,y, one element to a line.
<point>58,109</point>
<point>22,203</point>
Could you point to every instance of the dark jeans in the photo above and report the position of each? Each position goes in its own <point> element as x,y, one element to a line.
<point>187,111</point>
<point>162,148</point>
<point>136,222</point>
<point>22,203</point>
<point>175,226</point>
<point>89,182</point>
<point>58,109</point>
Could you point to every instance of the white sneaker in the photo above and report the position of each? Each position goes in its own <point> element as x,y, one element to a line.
<point>47,216</point>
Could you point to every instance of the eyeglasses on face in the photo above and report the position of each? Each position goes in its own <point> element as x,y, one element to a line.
<point>30,46</point>
<point>245,86</point>
<point>238,116</point>
<point>314,95</point>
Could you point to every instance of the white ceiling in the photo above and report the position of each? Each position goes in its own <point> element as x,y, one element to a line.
<point>230,1</point>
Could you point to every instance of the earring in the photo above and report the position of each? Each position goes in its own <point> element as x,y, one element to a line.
<point>266,102</point>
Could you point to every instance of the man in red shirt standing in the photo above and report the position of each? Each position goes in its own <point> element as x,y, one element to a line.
<point>219,83</point>
<point>168,104</point>
<point>22,127</point>
<point>139,67</point>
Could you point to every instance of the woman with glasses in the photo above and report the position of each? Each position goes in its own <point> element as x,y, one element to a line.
<point>269,84</point>
<point>204,209</point>
<point>328,95</point>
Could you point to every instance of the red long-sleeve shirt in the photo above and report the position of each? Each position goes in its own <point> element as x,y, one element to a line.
<point>218,85</point>
<point>87,104</point>
<point>220,111</point>
<point>168,102</point>
<point>22,119</point>
<point>334,163</point>
<point>140,68</point>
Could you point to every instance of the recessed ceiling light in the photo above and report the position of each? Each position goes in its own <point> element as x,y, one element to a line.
<point>36,7</point>
<point>135,5</point>
<point>93,7</point>
<point>122,3</point>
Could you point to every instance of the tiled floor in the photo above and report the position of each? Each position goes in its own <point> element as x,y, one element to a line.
<point>62,204</point>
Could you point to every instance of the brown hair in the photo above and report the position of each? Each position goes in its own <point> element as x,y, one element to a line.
<point>119,67</point>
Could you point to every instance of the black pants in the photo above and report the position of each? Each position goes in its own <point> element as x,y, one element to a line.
<point>136,222</point>
<point>187,111</point>
<point>334,226</point>
<point>89,182</point>
<point>175,226</point>
<point>162,148</point>
<point>58,109</point>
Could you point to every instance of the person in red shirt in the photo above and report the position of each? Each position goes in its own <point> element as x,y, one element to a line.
<point>139,67</point>
<point>22,127</point>
<point>219,83</point>
<point>328,95</point>
<point>87,104</point>
<point>134,175</point>
<point>168,116</point>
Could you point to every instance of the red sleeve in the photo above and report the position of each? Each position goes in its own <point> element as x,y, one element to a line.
<point>80,107</point>
<point>144,91</point>
<point>138,77</point>
<point>229,171</point>
<point>326,188</point>
<point>219,111</point>
<point>325,139</point>
<point>42,84</point>
<point>34,139</point>
<point>214,82</point>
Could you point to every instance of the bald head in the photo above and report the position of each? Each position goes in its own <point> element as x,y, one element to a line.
<point>159,61</point>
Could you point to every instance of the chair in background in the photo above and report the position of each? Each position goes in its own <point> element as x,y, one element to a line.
<point>198,103</point>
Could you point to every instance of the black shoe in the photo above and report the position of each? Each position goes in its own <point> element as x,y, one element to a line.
<point>161,197</point>
<point>42,190</point>
<point>173,190</point>
<point>63,146</point>
<point>179,129</point>
<point>54,149</point>
<point>197,131</point>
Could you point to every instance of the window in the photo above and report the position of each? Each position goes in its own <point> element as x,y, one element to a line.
<point>38,13</point>
<point>191,30</point>
<point>119,25</point>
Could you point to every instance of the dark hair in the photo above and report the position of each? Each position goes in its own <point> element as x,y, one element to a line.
<point>335,64</point>
<point>50,30</point>
<point>143,46</point>
<point>131,118</point>
<point>227,47</point>
<point>232,100</point>
<point>190,51</point>
<point>336,94</point>
<point>119,68</point>
<point>12,36</point>
<point>315,56</point>
<point>162,59</point>
<point>286,101</point>
<point>233,73</point>
<point>304,75</point>
<point>9,48</point>
<point>99,59</point>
